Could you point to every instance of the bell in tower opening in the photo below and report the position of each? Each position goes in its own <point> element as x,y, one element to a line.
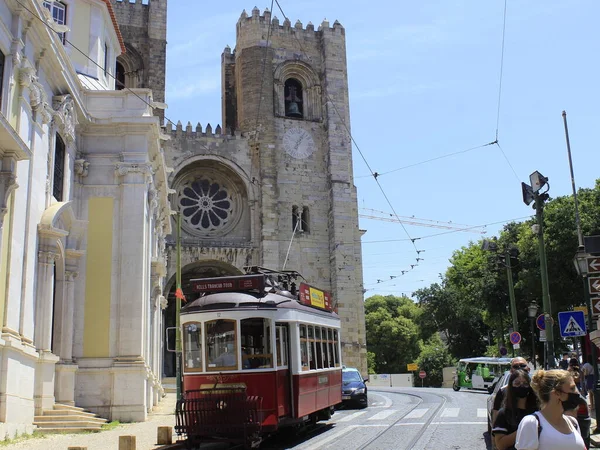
<point>293,98</point>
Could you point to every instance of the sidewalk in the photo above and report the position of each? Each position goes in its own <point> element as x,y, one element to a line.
<point>145,432</point>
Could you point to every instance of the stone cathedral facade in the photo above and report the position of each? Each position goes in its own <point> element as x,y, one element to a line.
<point>273,185</point>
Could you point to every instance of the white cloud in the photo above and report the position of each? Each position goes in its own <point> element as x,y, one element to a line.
<point>193,87</point>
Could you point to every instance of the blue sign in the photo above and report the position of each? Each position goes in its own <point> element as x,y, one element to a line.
<point>515,337</point>
<point>503,351</point>
<point>541,322</point>
<point>572,323</point>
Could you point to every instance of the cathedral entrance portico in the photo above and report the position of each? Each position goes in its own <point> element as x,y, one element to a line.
<point>206,267</point>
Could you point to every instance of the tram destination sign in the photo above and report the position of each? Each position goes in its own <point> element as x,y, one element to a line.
<point>226,284</point>
<point>312,296</point>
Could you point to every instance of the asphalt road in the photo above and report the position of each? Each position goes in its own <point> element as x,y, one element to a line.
<point>403,419</point>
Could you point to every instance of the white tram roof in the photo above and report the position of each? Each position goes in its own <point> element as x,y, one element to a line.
<point>253,301</point>
<point>486,360</point>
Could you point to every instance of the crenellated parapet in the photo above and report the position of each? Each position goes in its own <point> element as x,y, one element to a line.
<point>191,132</point>
<point>257,22</point>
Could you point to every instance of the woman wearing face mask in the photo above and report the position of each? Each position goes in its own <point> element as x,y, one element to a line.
<point>518,402</point>
<point>551,429</point>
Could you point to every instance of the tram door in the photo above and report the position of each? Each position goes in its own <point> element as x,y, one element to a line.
<point>284,373</point>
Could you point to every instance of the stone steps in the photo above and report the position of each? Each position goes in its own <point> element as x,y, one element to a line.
<point>67,419</point>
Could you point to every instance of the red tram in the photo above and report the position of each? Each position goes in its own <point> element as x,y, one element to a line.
<point>257,357</point>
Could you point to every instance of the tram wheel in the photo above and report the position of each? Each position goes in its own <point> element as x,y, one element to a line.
<point>456,387</point>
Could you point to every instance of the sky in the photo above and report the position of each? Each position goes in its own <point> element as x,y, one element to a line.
<point>424,83</point>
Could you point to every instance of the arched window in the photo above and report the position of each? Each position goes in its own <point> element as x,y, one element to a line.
<point>59,168</point>
<point>119,77</point>
<point>293,99</point>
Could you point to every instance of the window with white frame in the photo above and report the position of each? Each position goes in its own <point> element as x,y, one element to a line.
<point>59,14</point>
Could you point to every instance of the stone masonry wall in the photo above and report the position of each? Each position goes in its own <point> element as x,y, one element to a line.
<point>144,28</point>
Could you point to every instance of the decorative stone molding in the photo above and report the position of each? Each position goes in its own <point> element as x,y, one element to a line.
<point>153,198</point>
<point>163,302</point>
<point>47,258</point>
<point>123,169</point>
<point>8,183</point>
<point>70,275</point>
<point>64,116</point>
<point>82,167</point>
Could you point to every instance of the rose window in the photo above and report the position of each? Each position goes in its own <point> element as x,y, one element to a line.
<point>205,205</point>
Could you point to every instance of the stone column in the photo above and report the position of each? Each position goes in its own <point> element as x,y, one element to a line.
<point>44,296</point>
<point>64,384</point>
<point>8,183</point>
<point>129,371</point>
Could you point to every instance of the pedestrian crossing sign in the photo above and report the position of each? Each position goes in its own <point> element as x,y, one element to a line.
<point>572,323</point>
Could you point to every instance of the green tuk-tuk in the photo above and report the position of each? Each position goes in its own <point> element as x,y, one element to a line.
<point>479,373</point>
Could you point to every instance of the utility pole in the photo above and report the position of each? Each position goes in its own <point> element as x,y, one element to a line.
<point>539,214</point>
<point>511,291</point>
<point>178,297</point>
<point>532,194</point>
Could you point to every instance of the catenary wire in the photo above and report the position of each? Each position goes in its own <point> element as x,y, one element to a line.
<point>447,232</point>
<point>501,71</point>
<point>508,161</point>
<point>376,174</point>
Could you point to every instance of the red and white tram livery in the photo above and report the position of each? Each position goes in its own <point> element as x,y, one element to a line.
<point>257,357</point>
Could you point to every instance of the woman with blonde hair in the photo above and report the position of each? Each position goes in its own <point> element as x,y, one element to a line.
<point>551,429</point>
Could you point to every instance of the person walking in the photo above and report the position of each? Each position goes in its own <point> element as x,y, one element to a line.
<point>519,401</point>
<point>589,377</point>
<point>551,429</point>
<point>564,363</point>
<point>517,363</point>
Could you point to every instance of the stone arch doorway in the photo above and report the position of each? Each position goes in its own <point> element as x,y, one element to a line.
<point>198,269</point>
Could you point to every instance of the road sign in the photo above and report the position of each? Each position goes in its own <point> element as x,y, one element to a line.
<point>593,265</point>
<point>503,351</point>
<point>542,335</point>
<point>594,284</point>
<point>412,367</point>
<point>571,323</point>
<point>595,305</point>
<point>583,309</point>
<point>422,374</point>
<point>541,322</point>
<point>515,338</point>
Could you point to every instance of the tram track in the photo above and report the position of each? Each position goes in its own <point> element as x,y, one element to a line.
<point>423,429</point>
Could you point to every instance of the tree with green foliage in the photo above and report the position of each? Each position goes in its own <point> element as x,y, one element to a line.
<point>392,332</point>
<point>433,358</point>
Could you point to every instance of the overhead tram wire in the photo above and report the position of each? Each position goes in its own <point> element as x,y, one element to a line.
<point>377,175</point>
<point>446,232</point>
<point>500,93</point>
<point>353,140</point>
<point>85,55</point>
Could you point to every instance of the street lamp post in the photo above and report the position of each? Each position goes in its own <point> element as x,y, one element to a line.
<point>532,310</point>
<point>532,194</point>
<point>581,265</point>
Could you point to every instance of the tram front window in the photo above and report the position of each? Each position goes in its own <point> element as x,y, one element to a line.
<point>221,345</point>
<point>192,336</point>
<point>256,343</point>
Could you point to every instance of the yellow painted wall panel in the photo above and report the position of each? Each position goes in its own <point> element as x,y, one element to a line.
<point>96,331</point>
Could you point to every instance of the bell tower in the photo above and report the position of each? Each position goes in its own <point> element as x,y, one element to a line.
<point>289,95</point>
